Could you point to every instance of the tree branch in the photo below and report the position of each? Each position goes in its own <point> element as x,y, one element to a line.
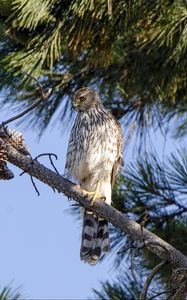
<point>149,279</point>
<point>44,96</point>
<point>156,245</point>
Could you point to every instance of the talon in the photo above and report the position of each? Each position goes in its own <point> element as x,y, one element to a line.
<point>96,195</point>
<point>90,193</point>
<point>93,199</point>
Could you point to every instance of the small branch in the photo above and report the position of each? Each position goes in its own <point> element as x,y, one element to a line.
<point>51,161</point>
<point>110,8</point>
<point>46,154</point>
<point>179,289</point>
<point>132,246</point>
<point>37,82</point>
<point>162,293</point>
<point>35,187</point>
<point>170,291</point>
<point>156,244</point>
<point>32,179</point>
<point>132,266</point>
<point>155,270</point>
<point>22,173</point>
<point>124,249</point>
<point>44,97</point>
<point>50,158</point>
<point>181,269</point>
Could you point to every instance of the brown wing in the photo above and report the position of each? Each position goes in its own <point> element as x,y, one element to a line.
<point>119,161</point>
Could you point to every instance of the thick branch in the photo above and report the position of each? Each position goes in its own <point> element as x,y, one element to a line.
<point>156,245</point>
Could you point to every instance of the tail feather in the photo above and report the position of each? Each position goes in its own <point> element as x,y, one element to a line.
<point>88,235</point>
<point>105,236</point>
<point>95,238</point>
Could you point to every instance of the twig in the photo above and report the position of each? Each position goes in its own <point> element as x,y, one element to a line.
<point>35,187</point>
<point>75,204</point>
<point>51,161</point>
<point>156,244</point>
<point>124,249</point>
<point>44,96</point>
<point>32,180</point>
<point>50,158</point>
<point>110,8</point>
<point>132,267</point>
<point>179,289</point>
<point>4,132</point>
<point>181,269</point>
<point>150,277</point>
<point>37,82</point>
<point>162,293</point>
<point>21,174</point>
<point>147,243</point>
<point>132,246</point>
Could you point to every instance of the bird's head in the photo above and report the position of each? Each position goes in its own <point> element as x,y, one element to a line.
<point>85,98</point>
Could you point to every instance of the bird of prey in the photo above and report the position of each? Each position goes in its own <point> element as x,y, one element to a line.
<point>93,159</point>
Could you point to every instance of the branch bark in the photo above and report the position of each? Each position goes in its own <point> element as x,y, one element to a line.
<point>155,244</point>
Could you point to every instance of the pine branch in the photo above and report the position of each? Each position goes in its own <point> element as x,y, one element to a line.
<point>149,279</point>
<point>138,46</point>
<point>156,245</point>
<point>7,293</point>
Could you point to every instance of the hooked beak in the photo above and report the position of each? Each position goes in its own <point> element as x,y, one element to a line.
<point>75,104</point>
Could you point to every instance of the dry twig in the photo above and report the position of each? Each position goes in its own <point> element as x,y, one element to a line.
<point>132,266</point>
<point>50,155</point>
<point>15,138</point>
<point>155,270</point>
<point>34,185</point>
<point>44,96</point>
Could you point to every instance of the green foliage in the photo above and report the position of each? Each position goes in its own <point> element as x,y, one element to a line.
<point>7,293</point>
<point>158,191</point>
<point>124,288</point>
<point>152,192</point>
<point>135,54</point>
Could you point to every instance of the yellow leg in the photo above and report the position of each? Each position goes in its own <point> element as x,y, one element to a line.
<point>95,195</point>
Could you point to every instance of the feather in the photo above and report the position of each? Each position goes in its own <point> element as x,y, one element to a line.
<point>95,238</point>
<point>93,159</point>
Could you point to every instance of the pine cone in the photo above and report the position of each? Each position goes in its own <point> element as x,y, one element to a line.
<point>5,172</point>
<point>3,156</point>
<point>178,284</point>
<point>17,141</point>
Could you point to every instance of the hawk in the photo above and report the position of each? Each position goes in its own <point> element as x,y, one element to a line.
<point>93,159</point>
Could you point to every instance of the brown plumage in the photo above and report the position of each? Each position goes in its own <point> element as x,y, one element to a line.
<point>93,159</point>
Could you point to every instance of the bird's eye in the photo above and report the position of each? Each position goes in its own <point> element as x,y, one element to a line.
<point>82,98</point>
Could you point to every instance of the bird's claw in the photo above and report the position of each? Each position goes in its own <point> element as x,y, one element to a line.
<point>95,196</point>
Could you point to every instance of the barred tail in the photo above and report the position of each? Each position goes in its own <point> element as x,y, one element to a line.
<point>95,238</point>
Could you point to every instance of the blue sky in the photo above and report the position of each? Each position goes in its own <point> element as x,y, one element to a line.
<point>40,241</point>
